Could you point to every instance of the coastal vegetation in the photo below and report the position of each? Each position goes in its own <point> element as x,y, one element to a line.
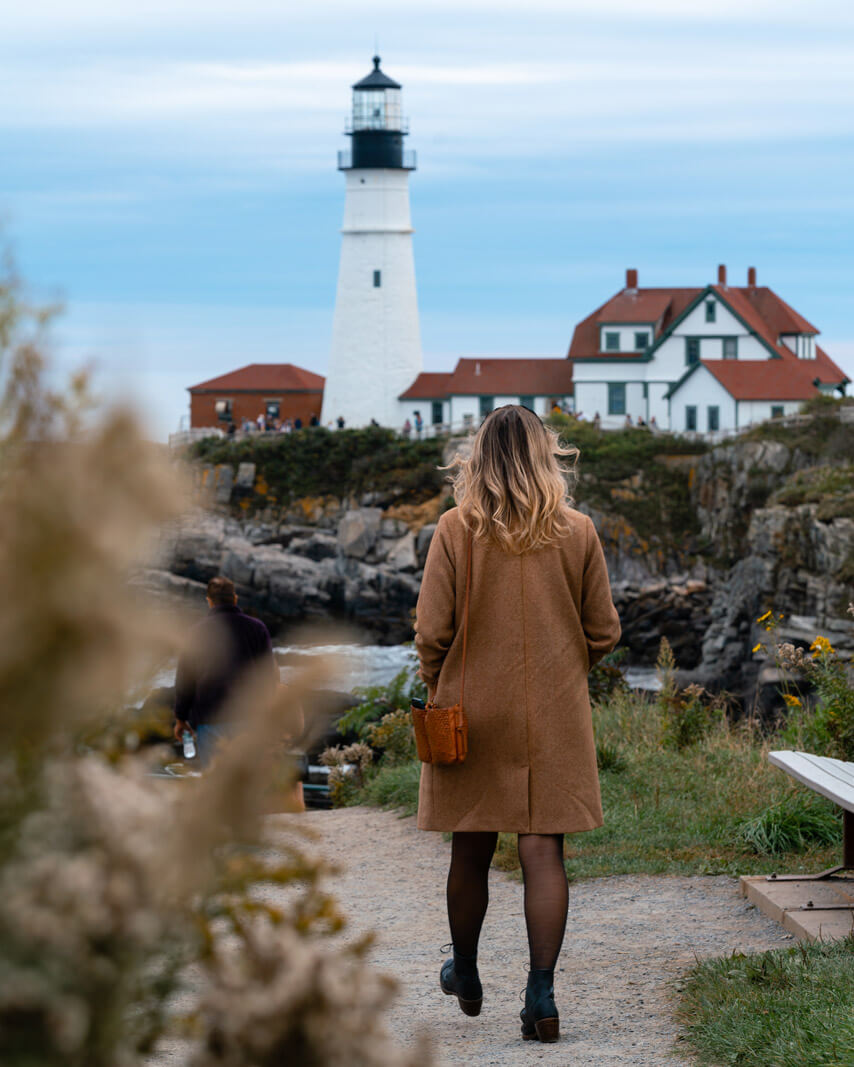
<point>113,880</point>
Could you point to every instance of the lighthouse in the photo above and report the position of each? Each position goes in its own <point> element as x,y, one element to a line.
<point>376,342</point>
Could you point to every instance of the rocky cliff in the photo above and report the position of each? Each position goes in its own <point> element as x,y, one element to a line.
<point>770,527</point>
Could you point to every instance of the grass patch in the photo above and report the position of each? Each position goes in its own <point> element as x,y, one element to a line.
<point>832,488</point>
<point>796,822</point>
<point>784,1008</point>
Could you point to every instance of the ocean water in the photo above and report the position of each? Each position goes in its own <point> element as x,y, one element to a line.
<point>370,665</point>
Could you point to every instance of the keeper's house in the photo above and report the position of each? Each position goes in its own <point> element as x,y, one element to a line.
<point>462,398</point>
<point>697,360</point>
<point>276,390</point>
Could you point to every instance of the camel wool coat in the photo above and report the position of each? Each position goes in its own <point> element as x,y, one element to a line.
<point>537,624</point>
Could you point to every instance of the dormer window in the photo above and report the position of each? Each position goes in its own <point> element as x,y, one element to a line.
<point>711,311</point>
<point>641,341</point>
<point>612,341</point>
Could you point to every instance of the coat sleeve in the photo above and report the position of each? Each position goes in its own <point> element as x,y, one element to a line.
<point>598,615</point>
<point>434,612</point>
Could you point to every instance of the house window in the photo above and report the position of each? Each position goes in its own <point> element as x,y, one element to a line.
<point>487,403</point>
<point>713,418</point>
<point>730,348</point>
<point>776,411</point>
<point>692,350</point>
<point>616,398</point>
<point>526,402</point>
<point>223,410</point>
<point>612,341</point>
<point>690,416</point>
<point>641,341</point>
<point>271,409</point>
<point>378,279</point>
<point>436,413</point>
<point>711,310</point>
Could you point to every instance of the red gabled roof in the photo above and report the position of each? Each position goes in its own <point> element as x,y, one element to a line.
<point>642,306</point>
<point>765,379</point>
<point>495,377</point>
<point>762,311</point>
<point>429,385</point>
<point>512,377</point>
<point>265,377</point>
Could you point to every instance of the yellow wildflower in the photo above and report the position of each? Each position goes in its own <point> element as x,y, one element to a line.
<point>821,646</point>
<point>762,618</point>
<point>757,647</point>
<point>792,700</point>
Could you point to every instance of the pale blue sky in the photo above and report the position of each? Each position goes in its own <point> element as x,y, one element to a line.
<point>169,168</point>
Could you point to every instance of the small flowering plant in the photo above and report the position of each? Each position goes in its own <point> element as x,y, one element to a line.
<point>826,726</point>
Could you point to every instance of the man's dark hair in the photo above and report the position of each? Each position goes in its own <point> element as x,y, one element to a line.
<point>221,591</point>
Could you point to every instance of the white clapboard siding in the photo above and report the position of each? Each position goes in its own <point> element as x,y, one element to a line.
<point>833,778</point>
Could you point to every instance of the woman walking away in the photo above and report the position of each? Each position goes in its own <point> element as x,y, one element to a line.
<point>540,615</point>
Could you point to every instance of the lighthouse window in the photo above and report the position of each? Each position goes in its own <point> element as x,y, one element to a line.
<point>378,278</point>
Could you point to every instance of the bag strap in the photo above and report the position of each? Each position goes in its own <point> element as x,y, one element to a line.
<point>466,618</point>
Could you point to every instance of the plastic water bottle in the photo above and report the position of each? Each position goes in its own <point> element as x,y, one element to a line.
<point>189,745</point>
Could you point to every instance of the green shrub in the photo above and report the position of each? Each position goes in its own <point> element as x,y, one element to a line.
<point>380,700</point>
<point>606,679</point>
<point>395,785</point>
<point>394,736</point>
<point>798,821</point>
<point>825,727</point>
<point>317,461</point>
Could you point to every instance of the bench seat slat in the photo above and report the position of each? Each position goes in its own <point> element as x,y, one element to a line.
<point>832,778</point>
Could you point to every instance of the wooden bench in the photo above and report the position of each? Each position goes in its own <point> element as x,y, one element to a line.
<point>834,779</point>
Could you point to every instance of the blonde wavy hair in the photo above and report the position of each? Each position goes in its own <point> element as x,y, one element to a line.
<point>513,488</point>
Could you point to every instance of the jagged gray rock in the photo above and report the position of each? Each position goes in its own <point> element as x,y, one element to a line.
<point>358,531</point>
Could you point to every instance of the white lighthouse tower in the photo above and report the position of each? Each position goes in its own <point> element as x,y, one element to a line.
<point>376,342</point>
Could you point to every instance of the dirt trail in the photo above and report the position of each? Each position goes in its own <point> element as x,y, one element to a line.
<point>627,938</point>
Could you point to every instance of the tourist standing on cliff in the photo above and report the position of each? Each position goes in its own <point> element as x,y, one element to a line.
<point>540,616</point>
<point>223,653</point>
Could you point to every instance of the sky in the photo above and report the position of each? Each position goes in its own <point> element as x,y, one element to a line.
<point>169,169</point>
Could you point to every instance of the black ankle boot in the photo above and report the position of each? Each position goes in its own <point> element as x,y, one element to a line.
<point>539,1016</point>
<point>459,978</point>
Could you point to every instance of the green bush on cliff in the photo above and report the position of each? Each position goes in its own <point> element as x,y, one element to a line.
<point>627,472</point>
<point>317,461</point>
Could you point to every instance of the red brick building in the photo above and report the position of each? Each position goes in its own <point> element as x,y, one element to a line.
<point>278,390</point>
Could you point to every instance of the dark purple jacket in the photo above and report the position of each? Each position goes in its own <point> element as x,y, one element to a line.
<point>220,650</point>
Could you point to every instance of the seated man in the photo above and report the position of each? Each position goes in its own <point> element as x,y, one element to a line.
<point>222,653</point>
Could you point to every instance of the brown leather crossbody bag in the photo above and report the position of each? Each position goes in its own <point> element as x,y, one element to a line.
<point>441,734</point>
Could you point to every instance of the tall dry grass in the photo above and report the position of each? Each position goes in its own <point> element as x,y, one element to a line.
<point>112,882</point>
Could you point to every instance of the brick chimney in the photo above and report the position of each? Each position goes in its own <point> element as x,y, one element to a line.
<point>722,274</point>
<point>751,277</point>
<point>631,278</point>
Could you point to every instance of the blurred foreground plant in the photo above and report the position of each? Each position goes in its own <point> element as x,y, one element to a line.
<point>111,880</point>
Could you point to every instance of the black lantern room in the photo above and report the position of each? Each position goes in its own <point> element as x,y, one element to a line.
<point>377,127</point>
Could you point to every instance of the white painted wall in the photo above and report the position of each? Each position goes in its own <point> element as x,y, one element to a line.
<point>407,409</point>
<point>376,343</point>
<point>695,325</point>
<point>802,344</point>
<point>758,410</point>
<point>702,390</point>
<point>627,336</point>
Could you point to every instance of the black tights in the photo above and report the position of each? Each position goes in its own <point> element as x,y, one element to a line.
<point>546,892</point>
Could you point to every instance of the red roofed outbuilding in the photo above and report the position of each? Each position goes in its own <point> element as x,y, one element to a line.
<point>277,390</point>
<point>476,386</point>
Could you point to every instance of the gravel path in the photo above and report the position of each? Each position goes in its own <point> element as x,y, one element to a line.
<point>628,938</point>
